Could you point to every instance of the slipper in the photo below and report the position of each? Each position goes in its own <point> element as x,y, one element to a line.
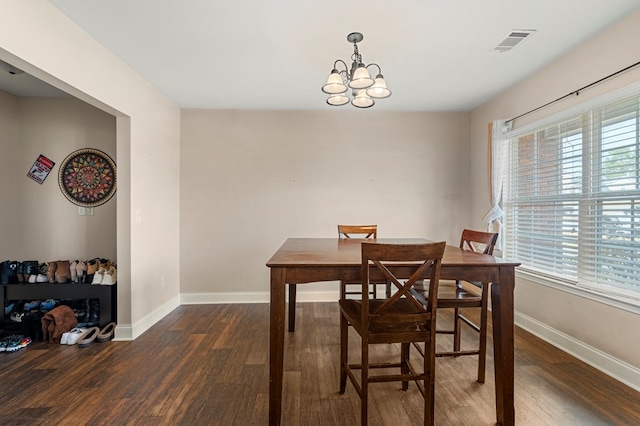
<point>106,333</point>
<point>87,338</point>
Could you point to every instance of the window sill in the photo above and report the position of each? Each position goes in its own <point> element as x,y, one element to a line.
<point>629,305</point>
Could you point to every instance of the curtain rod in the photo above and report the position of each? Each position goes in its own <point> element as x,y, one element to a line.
<point>575,92</point>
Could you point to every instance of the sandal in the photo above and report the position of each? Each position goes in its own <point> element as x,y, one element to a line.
<point>106,333</point>
<point>87,338</point>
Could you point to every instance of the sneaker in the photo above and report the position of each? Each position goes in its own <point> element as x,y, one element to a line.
<point>74,335</point>
<point>40,278</point>
<point>17,316</point>
<point>47,305</point>
<point>110,277</point>
<point>32,305</point>
<point>98,276</point>
<point>9,308</point>
<point>13,343</point>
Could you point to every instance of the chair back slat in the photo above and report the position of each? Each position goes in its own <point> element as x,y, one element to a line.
<point>358,231</point>
<point>478,241</point>
<point>402,307</point>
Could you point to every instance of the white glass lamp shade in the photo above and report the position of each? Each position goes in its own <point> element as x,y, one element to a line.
<point>334,84</point>
<point>361,78</point>
<point>379,89</point>
<point>338,99</point>
<point>361,99</point>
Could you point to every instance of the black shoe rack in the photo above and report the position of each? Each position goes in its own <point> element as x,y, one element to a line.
<point>107,294</point>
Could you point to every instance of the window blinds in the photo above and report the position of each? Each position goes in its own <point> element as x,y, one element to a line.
<point>572,199</point>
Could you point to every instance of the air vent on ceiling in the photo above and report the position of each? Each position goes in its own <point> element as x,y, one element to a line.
<point>514,38</point>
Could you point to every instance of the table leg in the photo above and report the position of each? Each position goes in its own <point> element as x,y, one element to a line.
<point>503,345</point>
<point>276,344</point>
<point>292,308</point>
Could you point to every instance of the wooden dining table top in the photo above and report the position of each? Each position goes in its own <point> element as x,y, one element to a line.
<point>343,252</point>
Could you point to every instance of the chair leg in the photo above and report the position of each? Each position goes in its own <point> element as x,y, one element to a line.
<point>482,356</point>
<point>404,362</point>
<point>429,384</point>
<point>456,329</point>
<point>292,308</point>
<point>344,352</point>
<point>364,382</point>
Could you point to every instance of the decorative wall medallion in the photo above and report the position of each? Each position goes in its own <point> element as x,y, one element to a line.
<point>87,177</point>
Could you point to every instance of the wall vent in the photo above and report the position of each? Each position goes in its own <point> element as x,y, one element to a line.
<point>514,38</point>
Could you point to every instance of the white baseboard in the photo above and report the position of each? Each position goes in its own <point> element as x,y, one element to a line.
<point>256,297</point>
<point>130,332</point>
<point>125,332</point>
<point>619,370</point>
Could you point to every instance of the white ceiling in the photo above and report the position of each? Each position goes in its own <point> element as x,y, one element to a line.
<point>250,54</point>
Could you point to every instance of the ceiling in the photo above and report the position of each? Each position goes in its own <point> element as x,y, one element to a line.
<point>250,54</point>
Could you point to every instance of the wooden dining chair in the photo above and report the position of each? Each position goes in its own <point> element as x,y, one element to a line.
<point>397,319</point>
<point>461,295</point>
<point>344,232</point>
<point>363,232</point>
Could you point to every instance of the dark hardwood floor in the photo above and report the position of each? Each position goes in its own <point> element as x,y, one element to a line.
<point>208,365</point>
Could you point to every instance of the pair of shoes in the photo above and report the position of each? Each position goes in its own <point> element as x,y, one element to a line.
<point>87,337</point>
<point>47,305</point>
<point>71,337</point>
<point>98,276</point>
<point>14,343</point>
<point>38,278</point>
<point>106,334</point>
<point>110,277</point>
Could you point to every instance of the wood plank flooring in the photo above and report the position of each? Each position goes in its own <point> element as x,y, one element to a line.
<point>208,365</point>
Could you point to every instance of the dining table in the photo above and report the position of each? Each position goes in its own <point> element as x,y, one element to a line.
<point>308,260</point>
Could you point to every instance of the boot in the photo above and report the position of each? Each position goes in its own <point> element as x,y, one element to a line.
<point>8,273</point>
<point>51,272</point>
<point>63,272</point>
<point>30,268</point>
<point>20,272</point>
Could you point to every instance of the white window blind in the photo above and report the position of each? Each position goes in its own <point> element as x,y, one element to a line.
<point>572,199</point>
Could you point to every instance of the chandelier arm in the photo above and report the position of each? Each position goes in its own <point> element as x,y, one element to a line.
<point>335,65</point>
<point>374,64</point>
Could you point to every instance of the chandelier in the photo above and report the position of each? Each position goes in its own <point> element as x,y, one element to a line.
<point>364,89</point>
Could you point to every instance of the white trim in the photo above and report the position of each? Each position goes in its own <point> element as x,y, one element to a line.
<point>619,370</point>
<point>131,332</point>
<point>625,304</point>
<point>611,97</point>
<point>254,297</point>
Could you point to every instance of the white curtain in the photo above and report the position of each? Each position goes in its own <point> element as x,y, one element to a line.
<point>499,140</point>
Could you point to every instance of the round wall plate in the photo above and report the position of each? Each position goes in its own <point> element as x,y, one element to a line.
<point>87,177</point>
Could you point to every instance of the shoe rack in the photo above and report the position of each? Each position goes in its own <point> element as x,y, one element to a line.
<point>107,294</point>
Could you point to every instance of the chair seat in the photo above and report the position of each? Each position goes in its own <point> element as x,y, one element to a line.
<point>451,295</point>
<point>352,310</point>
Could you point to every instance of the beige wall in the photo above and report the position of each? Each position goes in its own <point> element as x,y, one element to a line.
<point>10,200</point>
<point>604,328</point>
<point>51,228</point>
<point>250,179</point>
<point>36,37</point>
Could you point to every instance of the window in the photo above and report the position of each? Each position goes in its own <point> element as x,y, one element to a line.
<point>572,199</point>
